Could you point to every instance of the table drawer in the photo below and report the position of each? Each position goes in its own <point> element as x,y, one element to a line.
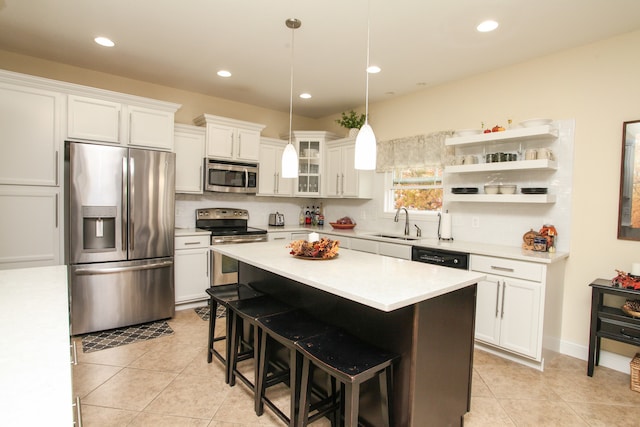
<point>191,242</point>
<point>507,267</point>
<point>620,330</point>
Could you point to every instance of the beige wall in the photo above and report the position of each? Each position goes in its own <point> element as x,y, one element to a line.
<point>595,84</point>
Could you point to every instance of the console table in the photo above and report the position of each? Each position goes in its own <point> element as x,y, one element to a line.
<point>610,322</point>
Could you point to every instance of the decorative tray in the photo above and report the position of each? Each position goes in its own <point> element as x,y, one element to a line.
<point>313,258</point>
<point>338,226</point>
<point>632,308</point>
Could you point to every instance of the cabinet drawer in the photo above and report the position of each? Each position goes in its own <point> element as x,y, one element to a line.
<point>190,242</point>
<point>507,267</point>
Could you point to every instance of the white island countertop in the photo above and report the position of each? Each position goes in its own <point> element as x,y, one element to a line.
<point>381,282</point>
<point>35,358</point>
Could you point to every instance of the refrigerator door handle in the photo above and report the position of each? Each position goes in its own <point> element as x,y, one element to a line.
<point>132,173</point>
<point>111,270</point>
<point>123,204</point>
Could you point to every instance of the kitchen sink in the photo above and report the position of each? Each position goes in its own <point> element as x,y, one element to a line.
<point>395,236</point>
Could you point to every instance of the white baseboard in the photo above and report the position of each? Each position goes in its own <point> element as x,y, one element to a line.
<point>610,360</point>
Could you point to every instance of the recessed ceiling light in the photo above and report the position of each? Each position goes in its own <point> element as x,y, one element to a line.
<point>305,95</point>
<point>224,73</point>
<point>103,41</point>
<point>486,26</point>
<point>373,69</point>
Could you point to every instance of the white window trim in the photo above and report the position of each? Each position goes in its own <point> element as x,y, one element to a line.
<point>391,213</point>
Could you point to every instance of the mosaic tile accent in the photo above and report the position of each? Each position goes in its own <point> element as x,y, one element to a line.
<point>122,336</point>
<point>203,312</point>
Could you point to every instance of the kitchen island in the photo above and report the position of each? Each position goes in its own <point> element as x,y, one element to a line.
<point>422,312</point>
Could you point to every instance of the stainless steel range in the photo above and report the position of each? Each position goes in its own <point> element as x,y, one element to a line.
<point>227,225</point>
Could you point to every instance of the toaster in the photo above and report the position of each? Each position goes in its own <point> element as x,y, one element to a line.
<point>276,219</point>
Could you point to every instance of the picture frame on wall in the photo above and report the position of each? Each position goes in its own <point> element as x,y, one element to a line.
<point>629,207</point>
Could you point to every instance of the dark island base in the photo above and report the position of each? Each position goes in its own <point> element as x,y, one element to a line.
<point>432,382</point>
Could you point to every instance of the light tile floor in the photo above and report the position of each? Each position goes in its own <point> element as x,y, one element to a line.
<point>168,382</point>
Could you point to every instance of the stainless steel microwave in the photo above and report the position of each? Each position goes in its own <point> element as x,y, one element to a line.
<point>230,177</point>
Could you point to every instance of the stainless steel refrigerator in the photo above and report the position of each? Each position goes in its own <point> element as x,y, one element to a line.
<point>120,234</point>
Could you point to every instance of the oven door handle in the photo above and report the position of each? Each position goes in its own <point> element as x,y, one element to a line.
<point>243,239</point>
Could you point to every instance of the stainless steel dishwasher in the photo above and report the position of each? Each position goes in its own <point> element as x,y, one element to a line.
<point>440,257</point>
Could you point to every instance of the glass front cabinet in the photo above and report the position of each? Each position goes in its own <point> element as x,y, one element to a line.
<point>311,152</point>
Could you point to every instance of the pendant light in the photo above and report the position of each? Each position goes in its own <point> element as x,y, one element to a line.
<point>289,155</point>
<point>365,155</point>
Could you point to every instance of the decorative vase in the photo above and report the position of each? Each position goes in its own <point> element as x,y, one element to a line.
<point>353,132</point>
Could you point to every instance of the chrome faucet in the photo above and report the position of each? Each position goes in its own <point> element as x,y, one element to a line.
<point>418,230</point>
<point>406,223</point>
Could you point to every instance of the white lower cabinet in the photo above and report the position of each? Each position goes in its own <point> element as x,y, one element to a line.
<point>519,306</point>
<point>508,314</point>
<point>30,226</point>
<point>191,268</point>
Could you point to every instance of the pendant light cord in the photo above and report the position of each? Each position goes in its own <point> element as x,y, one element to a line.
<point>291,89</point>
<point>366,102</point>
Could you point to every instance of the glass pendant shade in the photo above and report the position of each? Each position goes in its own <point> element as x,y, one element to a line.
<point>365,155</point>
<point>289,162</point>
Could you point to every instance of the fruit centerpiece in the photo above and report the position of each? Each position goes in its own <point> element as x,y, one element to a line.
<point>321,249</point>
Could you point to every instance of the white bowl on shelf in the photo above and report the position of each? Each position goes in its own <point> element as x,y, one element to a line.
<point>535,122</point>
<point>491,189</point>
<point>508,189</point>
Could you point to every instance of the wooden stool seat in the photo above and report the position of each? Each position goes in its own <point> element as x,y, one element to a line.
<point>352,362</point>
<point>286,328</point>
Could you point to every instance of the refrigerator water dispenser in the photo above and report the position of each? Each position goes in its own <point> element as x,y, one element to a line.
<point>99,228</point>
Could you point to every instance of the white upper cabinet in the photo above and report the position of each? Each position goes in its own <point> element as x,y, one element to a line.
<point>151,128</point>
<point>30,135</point>
<point>121,121</point>
<point>93,119</point>
<point>189,148</point>
<point>231,139</point>
<point>270,181</point>
<point>343,180</point>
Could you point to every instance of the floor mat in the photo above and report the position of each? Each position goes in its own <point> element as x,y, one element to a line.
<point>203,312</point>
<point>127,335</point>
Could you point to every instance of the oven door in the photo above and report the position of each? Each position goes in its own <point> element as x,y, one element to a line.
<point>229,177</point>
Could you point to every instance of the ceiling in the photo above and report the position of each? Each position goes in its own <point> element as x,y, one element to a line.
<point>417,43</point>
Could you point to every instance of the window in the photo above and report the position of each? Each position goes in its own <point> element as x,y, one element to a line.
<point>418,189</point>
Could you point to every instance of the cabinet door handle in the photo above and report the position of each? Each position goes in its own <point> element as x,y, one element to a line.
<point>56,207</point>
<point>497,297</point>
<point>337,181</point>
<point>495,267</point>
<point>74,353</point>
<point>78,422</point>
<point>628,335</point>
<point>191,243</point>
<point>207,262</point>
<point>504,294</point>
<point>239,144</point>
<point>57,166</point>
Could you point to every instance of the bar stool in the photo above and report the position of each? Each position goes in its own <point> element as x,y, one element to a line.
<point>285,328</point>
<point>249,310</point>
<point>222,295</point>
<point>352,362</point>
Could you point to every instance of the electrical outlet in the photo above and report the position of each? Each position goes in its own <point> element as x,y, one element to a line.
<point>475,222</point>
